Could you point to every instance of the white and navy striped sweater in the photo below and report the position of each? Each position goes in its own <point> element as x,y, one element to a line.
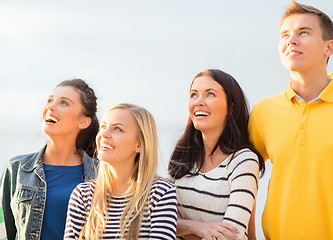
<point>227,193</point>
<point>159,219</point>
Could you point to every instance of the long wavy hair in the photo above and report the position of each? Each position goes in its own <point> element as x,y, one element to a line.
<point>189,149</point>
<point>144,172</point>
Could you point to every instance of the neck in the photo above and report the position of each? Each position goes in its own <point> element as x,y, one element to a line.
<point>121,177</point>
<point>210,139</point>
<point>61,153</point>
<point>308,85</point>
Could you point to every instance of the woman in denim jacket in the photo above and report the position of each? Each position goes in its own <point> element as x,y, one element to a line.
<point>36,187</point>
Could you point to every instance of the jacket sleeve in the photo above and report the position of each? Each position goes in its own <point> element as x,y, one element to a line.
<point>6,197</point>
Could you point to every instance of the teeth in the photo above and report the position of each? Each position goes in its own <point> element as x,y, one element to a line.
<point>51,119</point>
<point>201,113</point>
<point>107,146</point>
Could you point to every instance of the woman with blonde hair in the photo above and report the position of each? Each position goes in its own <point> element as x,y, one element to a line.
<point>126,200</point>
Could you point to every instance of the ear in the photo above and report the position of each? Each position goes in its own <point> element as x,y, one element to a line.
<point>329,48</point>
<point>138,148</point>
<point>84,122</point>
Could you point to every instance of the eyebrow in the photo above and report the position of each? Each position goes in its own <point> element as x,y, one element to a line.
<point>115,124</point>
<point>63,98</point>
<point>299,29</point>
<point>207,90</point>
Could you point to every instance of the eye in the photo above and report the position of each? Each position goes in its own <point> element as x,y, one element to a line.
<point>50,100</point>
<point>64,103</point>
<point>303,33</point>
<point>118,129</point>
<point>193,95</point>
<point>284,36</point>
<point>210,94</point>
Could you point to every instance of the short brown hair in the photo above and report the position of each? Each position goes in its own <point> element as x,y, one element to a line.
<point>326,24</point>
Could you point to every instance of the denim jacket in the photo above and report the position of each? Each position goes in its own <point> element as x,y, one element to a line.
<point>23,190</point>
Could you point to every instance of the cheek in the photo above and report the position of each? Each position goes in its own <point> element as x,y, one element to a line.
<point>190,106</point>
<point>97,139</point>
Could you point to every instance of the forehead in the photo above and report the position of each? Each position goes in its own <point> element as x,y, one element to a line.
<point>66,91</point>
<point>119,115</point>
<point>298,21</point>
<point>205,82</point>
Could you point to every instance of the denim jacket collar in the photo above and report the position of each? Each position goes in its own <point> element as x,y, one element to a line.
<point>34,162</point>
<point>89,164</point>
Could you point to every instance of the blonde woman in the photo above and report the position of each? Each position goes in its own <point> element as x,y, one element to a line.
<point>127,200</point>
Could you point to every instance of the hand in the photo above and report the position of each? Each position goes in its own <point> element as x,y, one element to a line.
<point>213,230</point>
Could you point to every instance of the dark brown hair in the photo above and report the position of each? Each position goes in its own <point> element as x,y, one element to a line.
<point>85,140</point>
<point>189,149</point>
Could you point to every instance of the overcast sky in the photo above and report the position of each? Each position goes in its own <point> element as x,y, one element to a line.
<point>143,52</point>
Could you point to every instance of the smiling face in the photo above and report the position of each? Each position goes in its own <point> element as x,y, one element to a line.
<point>117,140</point>
<point>62,115</point>
<point>301,44</point>
<point>207,105</point>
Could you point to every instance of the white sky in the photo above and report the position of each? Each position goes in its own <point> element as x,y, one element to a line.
<point>143,52</point>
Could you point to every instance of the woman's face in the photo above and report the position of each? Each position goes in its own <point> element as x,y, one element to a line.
<point>62,114</point>
<point>207,105</point>
<point>117,140</point>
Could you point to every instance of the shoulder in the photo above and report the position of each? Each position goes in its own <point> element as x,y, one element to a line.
<point>162,187</point>
<point>84,190</point>
<point>18,161</point>
<point>244,157</point>
<point>272,100</point>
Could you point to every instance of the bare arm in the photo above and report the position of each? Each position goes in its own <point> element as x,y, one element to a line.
<point>191,229</point>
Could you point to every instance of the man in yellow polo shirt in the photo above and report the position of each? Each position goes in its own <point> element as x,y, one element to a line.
<point>294,129</point>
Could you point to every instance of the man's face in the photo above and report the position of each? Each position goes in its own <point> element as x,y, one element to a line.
<point>301,45</point>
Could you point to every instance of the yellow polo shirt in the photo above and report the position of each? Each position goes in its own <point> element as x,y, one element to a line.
<point>298,139</point>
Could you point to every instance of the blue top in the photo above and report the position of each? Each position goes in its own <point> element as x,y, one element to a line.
<point>61,180</point>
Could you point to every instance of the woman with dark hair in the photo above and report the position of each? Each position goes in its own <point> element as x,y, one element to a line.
<point>214,166</point>
<point>36,187</point>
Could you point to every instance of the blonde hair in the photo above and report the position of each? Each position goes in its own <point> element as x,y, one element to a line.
<point>326,24</point>
<point>141,181</point>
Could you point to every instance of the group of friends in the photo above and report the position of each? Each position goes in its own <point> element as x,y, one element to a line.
<point>97,180</point>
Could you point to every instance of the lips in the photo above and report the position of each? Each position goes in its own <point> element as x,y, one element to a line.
<point>201,113</point>
<point>293,52</point>
<point>51,119</point>
<point>106,146</point>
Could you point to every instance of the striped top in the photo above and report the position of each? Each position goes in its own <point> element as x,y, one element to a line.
<point>226,193</point>
<point>159,219</point>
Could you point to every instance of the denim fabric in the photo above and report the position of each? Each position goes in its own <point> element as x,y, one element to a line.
<point>23,189</point>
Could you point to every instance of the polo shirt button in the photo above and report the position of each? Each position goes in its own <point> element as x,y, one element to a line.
<point>302,126</point>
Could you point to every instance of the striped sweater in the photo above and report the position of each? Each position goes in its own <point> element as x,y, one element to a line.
<point>226,193</point>
<point>159,218</point>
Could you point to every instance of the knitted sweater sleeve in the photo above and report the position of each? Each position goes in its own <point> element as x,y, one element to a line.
<point>243,178</point>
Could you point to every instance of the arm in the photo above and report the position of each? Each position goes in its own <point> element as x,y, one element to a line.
<point>6,186</point>
<point>243,191</point>
<point>252,224</point>
<point>191,229</point>
<point>164,216</point>
<point>76,215</point>
<point>255,135</point>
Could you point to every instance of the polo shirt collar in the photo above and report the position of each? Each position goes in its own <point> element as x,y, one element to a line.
<point>290,92</point>
<point>326,95</point>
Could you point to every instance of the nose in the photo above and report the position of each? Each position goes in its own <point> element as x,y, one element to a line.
<point>200,101</point>
<point>292,40</point>
<point>51,106</point>
<point>105,133</point>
